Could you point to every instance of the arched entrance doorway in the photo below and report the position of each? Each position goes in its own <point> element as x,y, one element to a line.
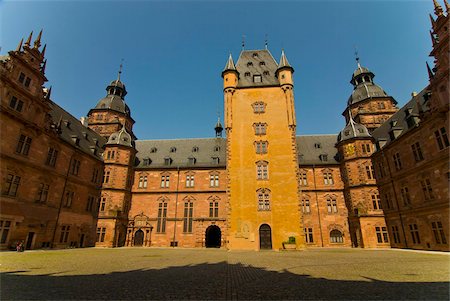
<point>139,238</point>
<point>213,237</point>
<point>265,237</point>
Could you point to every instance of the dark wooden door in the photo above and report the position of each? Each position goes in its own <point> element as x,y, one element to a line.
<point>139,238</point>
<point>265,237</point>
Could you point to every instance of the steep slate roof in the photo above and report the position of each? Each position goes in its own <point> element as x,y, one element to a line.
<point>366,90</point>
<point>382,133</point>
<point>243,66</point>
<point>185,149</point>
<point>309,152</point>
<point>89,141</point>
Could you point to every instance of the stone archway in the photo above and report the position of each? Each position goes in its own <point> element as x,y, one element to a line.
<point>265,237</point>
<point>213,237</point>
<point>139,238</point>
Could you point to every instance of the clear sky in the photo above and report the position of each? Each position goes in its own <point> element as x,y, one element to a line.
<point>174,52</point>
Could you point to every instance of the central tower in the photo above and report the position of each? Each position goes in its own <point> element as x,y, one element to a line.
<point>263,190</point>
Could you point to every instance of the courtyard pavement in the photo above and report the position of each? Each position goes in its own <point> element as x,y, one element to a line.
<point>217,274</point>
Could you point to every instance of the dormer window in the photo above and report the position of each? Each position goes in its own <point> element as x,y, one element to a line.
<point>67,123</point>
<point>323,157</point>
<point>216,148</point>
<point>249,64</point>
<point>146,161</point>
<point>262,63</point>
<point>247,74</point>
<point>192,160</point>
<point>317,145</point>
<point>215,160</point>
<point>266,72</point>
<point>173,149</point>
<point>347,132</point>
<point>167,161</point>
<point>257,78</point>
<point>361,130</point>
<point>153,150</point>
<point>76,140</point>
<point>195,149</point>
<point>255,55</point>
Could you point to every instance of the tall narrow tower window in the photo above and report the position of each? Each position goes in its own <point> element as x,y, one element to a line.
<point>263,199</point>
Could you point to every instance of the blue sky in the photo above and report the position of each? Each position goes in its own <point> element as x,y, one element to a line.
<point>174,52</point>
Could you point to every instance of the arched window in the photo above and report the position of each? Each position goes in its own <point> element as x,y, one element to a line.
<point>263,199</point>
<point>336,236</point>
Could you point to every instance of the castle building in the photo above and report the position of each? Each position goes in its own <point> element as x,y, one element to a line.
<point>381,182</point>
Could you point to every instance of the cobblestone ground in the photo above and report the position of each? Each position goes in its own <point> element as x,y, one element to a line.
<point>216,274</point>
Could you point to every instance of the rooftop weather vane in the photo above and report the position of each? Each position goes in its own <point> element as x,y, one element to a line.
<point>266,41</point>
<point>243,42</point>
<point>120,69</point>
<point>356,55</point>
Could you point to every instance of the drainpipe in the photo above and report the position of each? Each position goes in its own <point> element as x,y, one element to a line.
<point>317,204</point>
<point>61,202</point>
<point>176,207</point>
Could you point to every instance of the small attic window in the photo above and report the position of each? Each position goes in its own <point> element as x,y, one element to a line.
<point>153,150</point>
<point>262,63</point>
<point>247,74</point>
<point>323,157</point>
<point>215,160</point>
<point>347,132</point>
<point>255,55</point>
<point>249,64</point>
<point>173,149</point>
<point>216,148</point>
<point>113,138</point>
<point>76,140</point>
<point>257,78</point>
<point>360,130</point>
<point>191,160</point>
<point>67,123</point>
<point>85,135</point>
<point>300,157</point>
<point>146,161</point>
<point>95,141</point>
<point>266,72</point>
<point>167,161</point>
<point>317,145</point>
<point>103,106</point>
<point>125,138</point>
<point>195,149</point>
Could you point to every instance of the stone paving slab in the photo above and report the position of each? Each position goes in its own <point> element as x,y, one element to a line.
<point>217,274</point>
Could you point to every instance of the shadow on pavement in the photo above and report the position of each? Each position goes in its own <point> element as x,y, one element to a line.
<point>209,281</point>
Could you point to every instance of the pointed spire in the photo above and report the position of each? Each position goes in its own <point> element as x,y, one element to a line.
<point>43,50</point>
<point>230,64</point>
<point>37,42</point>
<point>44,64</point>
<point>20,45</point>
<point>433,38</point>
<point>28,42</point>
<point>433,22</point>
<point>283,61</point>
<point>430,72</point>
<point>437,8</point>
<point>120,70</point>
<point>447,6</point>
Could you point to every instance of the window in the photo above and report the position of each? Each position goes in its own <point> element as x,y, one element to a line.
<point>262,170</point>
<point>439,234</point>
<point>262,63</point>
<point>382,235</point>
<point>261,147</point>
<point>103,204</point>
<point>162,217</point>
<point>95,174</point>
<point>23,146</point>
<point>153,150</point>
<point>370,173</point>
<point>90,203</point>
<point>21,77</point>
<point>380,170</point>
<point>309,235</point>
<point>331,205</point>
<point>388,201</point>
<point>42,193</point>
<point>417,152</point>
<point>142,182</point>
<point>303,178</point>
<point>260,128</point>
<point>381,105</point>
<point>366,148</point>
<point>263,200</point>
<point>336,236</point>
<point>12,185</point>
<point>376,202</point>
<point>68,199</point>
<point>328,178</point>
<point>259,107</point>
<point>317,145</point>
<point>173,149</point>
<point>65,230</point>
<point>167,161</point>
<point>191,160</point>
<point>396,234</point>
<point>190,180</point>
<point>52,155</point>
<point>214,208</point>
<point>323,157</point>
<point>247,74</point>
<point>257,78</point>
<point>216,160</point>
<point>249,64</point>
<point>16,104</point>
<point>111,155</point>
<point>75,167</point>
<point>397,161</point>
<point>5,226</point>
<point>214,180</point>
<point>306,209</point>
<point>187,218</point>
<point>414,230</point>
<point>441,138</point>
<point>405,196</point>
<point>165,181</point>
<point>266,72</point>
<point>146,161</point>
<point>106,177</point>
<point>195,149</point>
<point>427,189</point>
<point>27,82</point>
<point>101,232</point>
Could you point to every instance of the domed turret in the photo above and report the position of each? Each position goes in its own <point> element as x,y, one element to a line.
<point>353,130</point>
<point>121,138</point>
<point>362,80</point>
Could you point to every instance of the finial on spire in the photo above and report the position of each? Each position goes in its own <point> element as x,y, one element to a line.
<point>43,50</point>
<point>20,45</point>
<point>357,57</point>
<point>266,41</point>
<point>433,22</point>
<point>28,42</point>
<point>37,42</point>
<point>120,70</point>
<point>438,11</point>
<point>430,72</point>
<point>243,42</point>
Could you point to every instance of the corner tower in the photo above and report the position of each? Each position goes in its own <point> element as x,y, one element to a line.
<point>263,189</point>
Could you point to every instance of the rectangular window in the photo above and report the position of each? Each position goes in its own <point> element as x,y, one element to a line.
<point>397,161</point>
<point>427,189</point>
<point>366,149</point>
<point>21,77</point>
<point>258,107</point>
<point>369,172</point>
<point>12,185</point>
<point>303,179</point>
<point>75,167</point>
<point>94,177</point>
<point>27,82</point>
<point>52,155</point>
<point>376,202</point>
<point>106,177</point>
<point>405,196</point>
<point>90,203</point>
<point>142,182</point>
<point>396,234</point>
<point>190,181</point>
<point>162,217</point>
<point>380,170</point>
<point>257,78</point>
<point>309,235</point>
<point>24,144</point>
<point>214,209</point>
<point>439,234</point>
<point>328,178</point>
<point>214,180</point>
<point>262,171</point>
<point>417,152</point>
<point>382,235</point>
<point>101,232</point>
<point>5,226</point>
<point>332,206</point>
<point>165,181</point>
<point>102,204</point>
<point>187,218</point>
<point>441,138</point>
<point>42,193</point>
<point>16,104</point>
<point>306,209</point>
<point>64,234</point>
<point>264,200</point>
<point>388,201</point>
<point>260,128</point>
<point>261,147</point>
<point>68,199</point>
<point>414,230</point>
